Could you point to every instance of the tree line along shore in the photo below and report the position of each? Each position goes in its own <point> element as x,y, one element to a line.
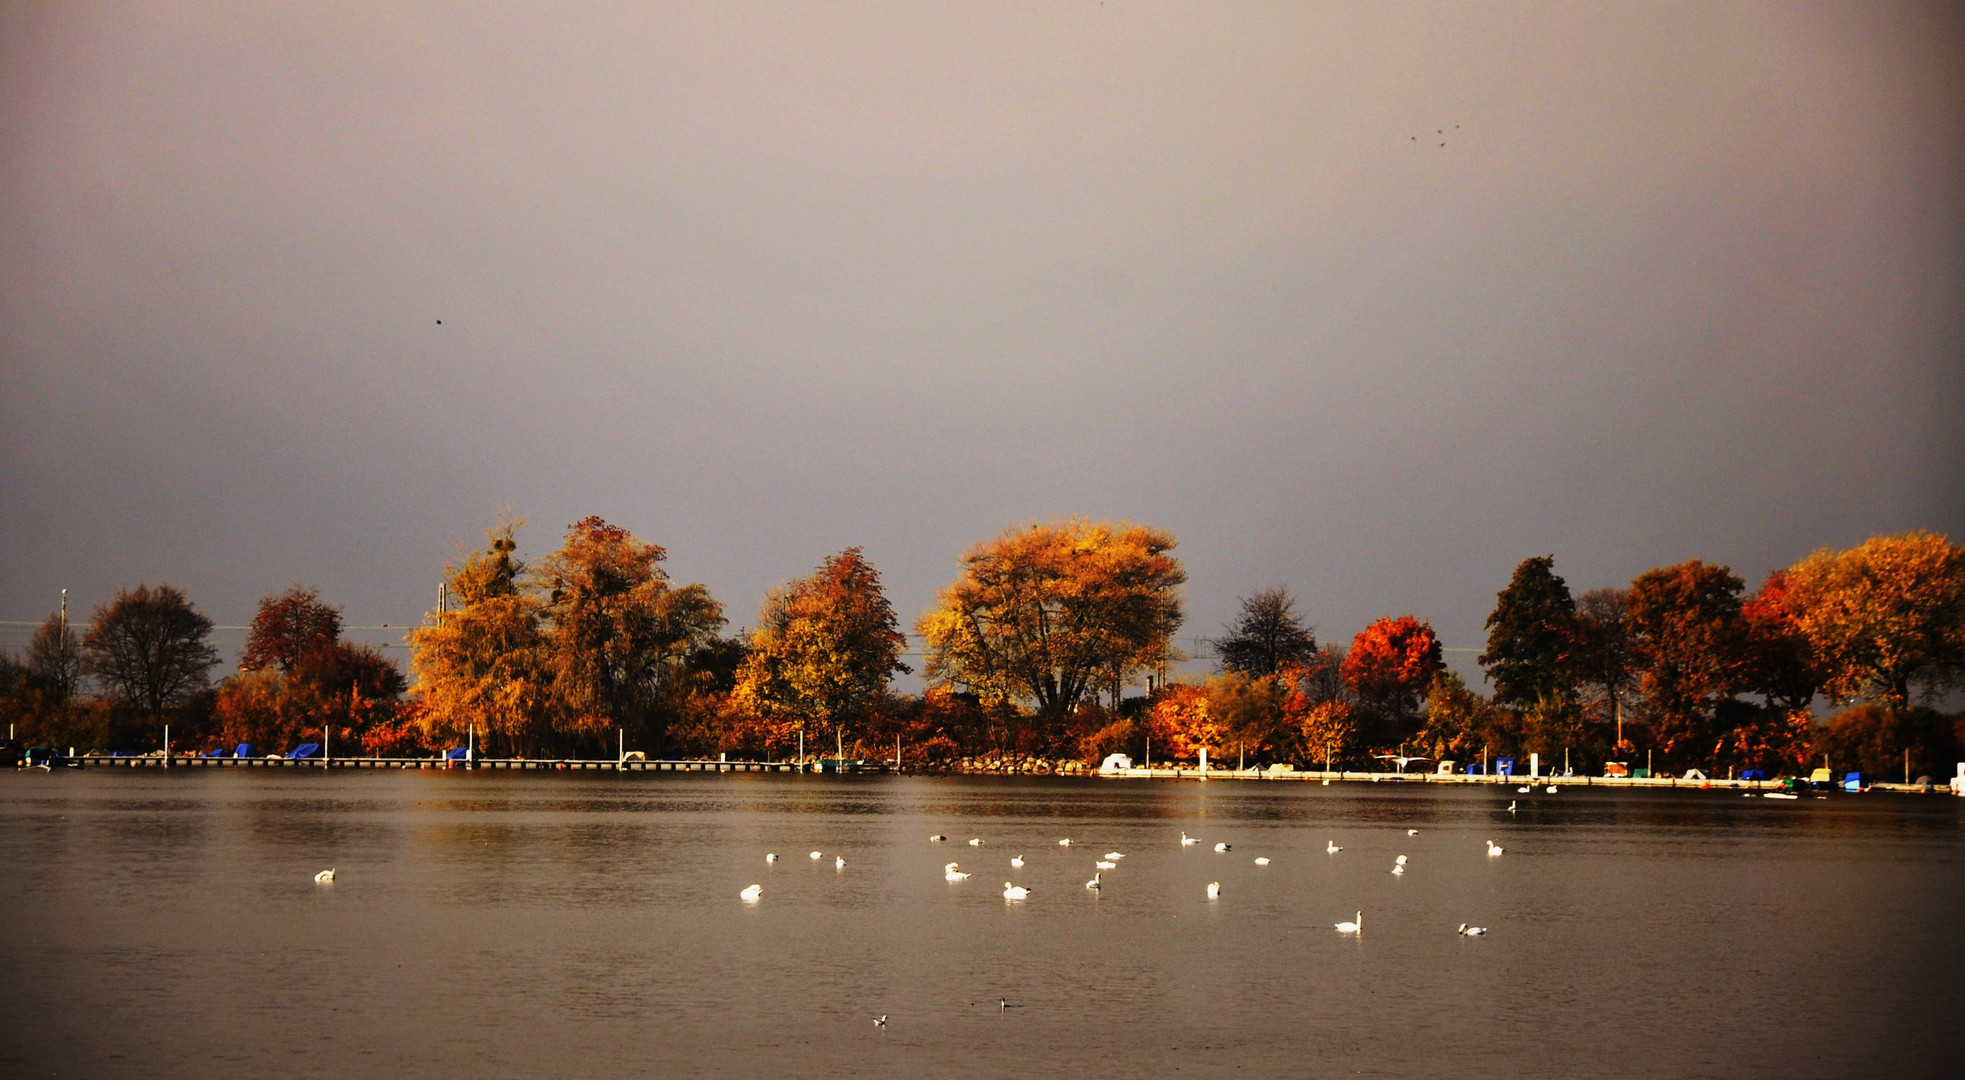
<point>1029,655</point>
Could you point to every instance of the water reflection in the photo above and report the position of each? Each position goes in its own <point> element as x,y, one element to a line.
<point>551,924</point>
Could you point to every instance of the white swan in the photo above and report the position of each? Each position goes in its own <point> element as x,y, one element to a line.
<point>1115,854</point>
<point>1014,892</point>
<point>880,1021</point>
<point>1356,925</point>
<point>770,856</point>
<point>1471,931</point>
<point>1096,883</point>
<point>1396,870</point>
<point>1332,848</point>
<point>1017,862</point>
<point>1552,789</point>
<point>937,838</point>
<point>1105,864</point>
<point>1494,848</point>
<point>1412,832</point>
<point>1511,806</point>
<point>818,855</point>
<point>950,873</point>
<point>975,841</point>
<point>1401,860</point>
<point>1214,890</point>
<point>325,877</point>
<point>1522,790</point>
<point>1066,842</point>
<point>1262,860</point>
<point>1186,839</point>
<point>839,862</point>
<point>1223,847</point>
<point>751,894</point>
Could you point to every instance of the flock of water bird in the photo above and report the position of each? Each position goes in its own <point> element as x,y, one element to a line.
<point>952,872</point>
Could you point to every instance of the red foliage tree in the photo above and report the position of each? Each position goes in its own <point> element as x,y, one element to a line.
<point>290,630</point>
<point>1389,667</point>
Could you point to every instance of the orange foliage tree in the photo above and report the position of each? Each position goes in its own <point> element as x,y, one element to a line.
<point>1389,667</point>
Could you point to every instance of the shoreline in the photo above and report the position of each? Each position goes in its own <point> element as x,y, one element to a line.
<point>829,767</point>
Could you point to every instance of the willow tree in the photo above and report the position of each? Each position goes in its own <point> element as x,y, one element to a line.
<point>824,648</point>
<point>1051,614</point>
<point>618,633</point>
<point>481,665</point>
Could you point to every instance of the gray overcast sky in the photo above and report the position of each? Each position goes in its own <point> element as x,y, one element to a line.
<point>759,282</point>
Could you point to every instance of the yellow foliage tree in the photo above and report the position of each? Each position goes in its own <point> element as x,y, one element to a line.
<point>1052,614</point>
<point>1883,616</point>
<point>481,665</point>
<point>824,649</point>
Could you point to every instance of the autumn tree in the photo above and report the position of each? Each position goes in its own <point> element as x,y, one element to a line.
<point>1267,636</point>
<point>1529,635</point>
<point>1051,614</point>
<point>1779,662</point>
<point>1600,657</point>
<point>1885,617</point>
<point>1389,666</point>
<point>289,629</point>
<point>54,658</point>
<point>824,648</point>
<point>617,630</point>
<point>1687,633</point>
<point>482,664</point>
<point>149,647</point>
<point>1459,722</point>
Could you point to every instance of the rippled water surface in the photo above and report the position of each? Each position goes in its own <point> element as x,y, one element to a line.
<point>491,925</point>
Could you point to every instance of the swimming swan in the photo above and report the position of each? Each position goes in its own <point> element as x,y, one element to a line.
<point>1401,860</point>
<point>1186,839</point>
<point>818,855</point>
<point>975,841</point>
<point>1115,855</point>
<point>839,862</point>
<point>1014,892</point>
<point>770,856</point>
<point>1105,864</point>
<point>751,894</point>
<point>1096,883</point>
<point>1214,890</point>
<point>1017,862</point>
<point>1471,931</point>
<point>1262,860</point>
<point>1356,926</point>
<point>1494,848</point>
<point>1332,848</point>
<point>950,873</point>
<point>1223,847</point>
<point>325,877</point>
<point>1066,842</point>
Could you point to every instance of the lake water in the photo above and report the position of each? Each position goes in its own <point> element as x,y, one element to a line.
<point>524,925</point>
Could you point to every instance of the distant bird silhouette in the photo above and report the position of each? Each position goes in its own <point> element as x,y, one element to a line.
<point>880,1021</point>
<point>439,322</point>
